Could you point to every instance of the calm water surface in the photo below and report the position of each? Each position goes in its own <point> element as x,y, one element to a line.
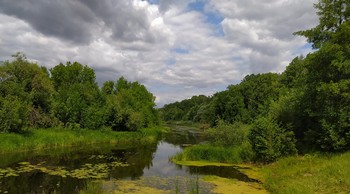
<point>69,171</point>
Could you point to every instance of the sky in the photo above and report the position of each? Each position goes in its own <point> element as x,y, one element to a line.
<point>176,48</point>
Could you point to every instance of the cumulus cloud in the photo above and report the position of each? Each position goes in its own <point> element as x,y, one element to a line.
<point>177,48</point>
<point>263,29</point>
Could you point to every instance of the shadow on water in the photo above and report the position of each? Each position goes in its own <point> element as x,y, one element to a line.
<point>221,171</point>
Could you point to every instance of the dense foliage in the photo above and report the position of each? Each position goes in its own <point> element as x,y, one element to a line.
<point>306,107</point>
<point>68,96</point>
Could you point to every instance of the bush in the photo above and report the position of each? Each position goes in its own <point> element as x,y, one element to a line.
<point>13,114</point>
<point>270,141</point>
<point>229,134</point>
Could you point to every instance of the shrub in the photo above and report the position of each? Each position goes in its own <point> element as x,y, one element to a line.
<point>270,141</point>
<point>229,134</point>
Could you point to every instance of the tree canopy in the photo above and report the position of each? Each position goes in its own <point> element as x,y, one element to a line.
<point>69,96</point>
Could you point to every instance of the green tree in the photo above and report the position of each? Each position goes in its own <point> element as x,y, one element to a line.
<point>77,95</point>
<point>326,97</point>
<point>131,107</point>
<point>270,141</point>
<point>30,88</point>
<point>13,114</point>
<point>108,88</point>
<point>332,14</point>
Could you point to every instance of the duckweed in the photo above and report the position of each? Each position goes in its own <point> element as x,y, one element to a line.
<point>86,171</point>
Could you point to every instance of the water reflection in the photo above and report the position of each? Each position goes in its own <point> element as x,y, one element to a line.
<point>68,171</point>
<point>75,173</point>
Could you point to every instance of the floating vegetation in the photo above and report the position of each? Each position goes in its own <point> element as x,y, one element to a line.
<point>153,185</point>
<point>86,171</point>
<point>225,185</point>
<point>94,157</point>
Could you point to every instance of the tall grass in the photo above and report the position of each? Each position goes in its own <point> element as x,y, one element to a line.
<point>227,143</point>
<point>237,154</point>
<point>37,139</point>
<point>326,173</point>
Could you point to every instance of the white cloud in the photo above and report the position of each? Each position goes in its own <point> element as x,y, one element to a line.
<point>170,48</point>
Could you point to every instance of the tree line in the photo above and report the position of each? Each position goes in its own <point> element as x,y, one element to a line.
<point>306,107</point>
<point>68,96</point>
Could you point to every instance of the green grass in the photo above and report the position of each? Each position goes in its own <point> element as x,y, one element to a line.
<point>215,154</point>
<point>325,173</point>
<point>38,139</point>
<point>92,187</point>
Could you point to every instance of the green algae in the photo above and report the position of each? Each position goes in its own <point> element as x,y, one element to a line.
<point>228,186</point>
<point>86,171</point>
<point>155,184</point>
<point>150,185</point>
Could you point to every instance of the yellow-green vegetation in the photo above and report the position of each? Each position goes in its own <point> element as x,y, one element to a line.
<point>151,185</point>
<point>57,137</point>
<point>86,171</point>
<point>154,185</point>
<point>325,173</point>
<point>228,186</point>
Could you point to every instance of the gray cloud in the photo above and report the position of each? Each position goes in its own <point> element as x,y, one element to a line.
<point>79,20</point>
<point>121,17</point>
<point>63,19</point>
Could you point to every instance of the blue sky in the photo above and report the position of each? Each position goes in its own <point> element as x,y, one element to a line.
<point>177,48</point>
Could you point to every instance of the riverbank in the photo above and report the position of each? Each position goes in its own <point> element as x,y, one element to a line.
<point>311,173</point>
<point>315,173</point>
<point>41,139</point>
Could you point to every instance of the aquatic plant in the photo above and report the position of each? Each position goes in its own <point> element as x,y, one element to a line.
<point>86,171</point>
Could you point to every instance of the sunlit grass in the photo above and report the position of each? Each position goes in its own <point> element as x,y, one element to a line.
<point>37,139</point>
<point>325,173</point>
<point>214,154</point>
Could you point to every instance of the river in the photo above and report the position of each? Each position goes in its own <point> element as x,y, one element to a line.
<point>70,170</point>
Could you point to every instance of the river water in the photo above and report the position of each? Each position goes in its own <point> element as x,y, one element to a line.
<point>71,170</point>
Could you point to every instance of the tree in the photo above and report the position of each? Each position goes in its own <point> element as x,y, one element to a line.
<point>326,93</point>
<point>30,89</point>
<point>13,114</point>
<point>131,107</point>
<point>76,93</point>
<point>108,88</point>
<point>332,14</point>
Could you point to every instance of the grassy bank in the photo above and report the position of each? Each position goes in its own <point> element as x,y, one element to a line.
<point>211,153</point>
<point>38,139</point>
<point>324,173</point>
